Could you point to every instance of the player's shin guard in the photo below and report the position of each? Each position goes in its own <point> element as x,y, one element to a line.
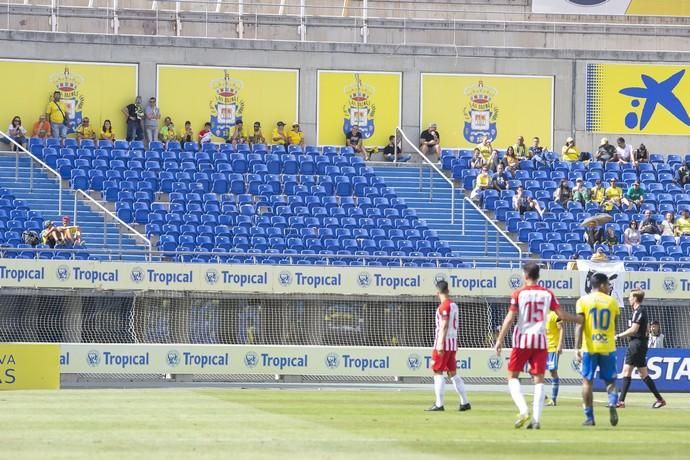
<point>460,388</point>
<point>538,403</point>
<point>652,387</point>
<point>439,389</point>
<point>555,384</point>
<point>589,413</point>
<point>626,387</point>
<point>518,398</point>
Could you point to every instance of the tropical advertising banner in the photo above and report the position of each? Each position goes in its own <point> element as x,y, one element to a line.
<point>370,100</point>
<point>614,7</point>
<point>223,96</point>
<point>94,90</point>
<point>638,99</point>
<point>468,107</point>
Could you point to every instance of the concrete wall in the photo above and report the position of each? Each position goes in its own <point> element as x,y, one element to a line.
<point>566,65</point>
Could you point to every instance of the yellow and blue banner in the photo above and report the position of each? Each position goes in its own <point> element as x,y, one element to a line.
<point>371,100</point>
<point>95,90</point>
<point>29,366</point>
<point>468,107</point>
<point>638,99</point>
<point>225,95</point>
<point>614,7</point>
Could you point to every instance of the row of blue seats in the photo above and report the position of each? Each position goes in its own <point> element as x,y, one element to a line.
<point>538,240</point>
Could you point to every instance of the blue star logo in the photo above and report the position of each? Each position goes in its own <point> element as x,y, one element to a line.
<point>655,93</point>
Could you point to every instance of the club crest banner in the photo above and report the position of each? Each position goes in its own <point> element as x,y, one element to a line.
<point>615,272</point>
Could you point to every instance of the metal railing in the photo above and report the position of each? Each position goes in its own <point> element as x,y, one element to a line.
<point>77,193</point>
<point>498,230</point>
<point>432,168</point>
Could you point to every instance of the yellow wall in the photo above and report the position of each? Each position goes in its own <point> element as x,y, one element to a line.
<point>659,7</point>
<point>29,366</point>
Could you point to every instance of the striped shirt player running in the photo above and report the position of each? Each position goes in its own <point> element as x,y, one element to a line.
<point>530,305</point>
<point>445,347</point>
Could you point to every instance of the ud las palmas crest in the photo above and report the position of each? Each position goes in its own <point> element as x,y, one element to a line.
<point>360,109</point>
<point>226,106</point>
<point>68,84</point>
<point>481,114</point>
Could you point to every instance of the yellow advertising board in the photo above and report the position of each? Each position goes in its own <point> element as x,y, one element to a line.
<point>225,95</point>
<point>94,90</point>
<point>371,100</point>
<point>468,107</point>
<point>638,99</point>
<point>614,7</point>
<point>29,366</point>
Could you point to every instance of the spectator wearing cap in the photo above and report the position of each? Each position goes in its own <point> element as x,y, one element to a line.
<point>279,136</point>
<point>641,154</point>
<point>683,175</point>
<point>580,192</point>
<point>238,135</point>
<point>570,152</point>
<point>597,194</point>
<point>656,338</point>
<point>296,136</point>
<point>50,235</point>
<point>624,153</point>
<point>634,196</point>
<point>683,223</point>
<point>86,131</point>
<point>430,141</point>
<point>614,196</point>
<point>605,151</point>
<point>70,233</point>
<point>354,139</point>
<point>257,136</point>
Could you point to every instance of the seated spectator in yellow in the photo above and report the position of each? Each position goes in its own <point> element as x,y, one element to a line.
<point>238,134</point>
<point>257,136</point>
<point>279,135</point>
<point>295,136</point>
<point>167,132</point>
<point>187,133</point>
<point>85,130</point>
<point>598,193</point>
<point>71,233</point>
<point>569,151</point>
<point>683,224</point>
<point>485,149</point>
<point>107,133</point>
<point>614,195</point>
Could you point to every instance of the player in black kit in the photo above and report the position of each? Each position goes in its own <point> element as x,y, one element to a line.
<point>636,355</point>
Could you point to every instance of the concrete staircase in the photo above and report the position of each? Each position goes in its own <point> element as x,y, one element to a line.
<point>480,239</point>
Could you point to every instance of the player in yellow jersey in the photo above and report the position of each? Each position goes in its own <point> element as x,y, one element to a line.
<point>597,338</point>
<point>554,344</point>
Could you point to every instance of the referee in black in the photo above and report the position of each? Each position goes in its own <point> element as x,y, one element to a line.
<point>636,355</point>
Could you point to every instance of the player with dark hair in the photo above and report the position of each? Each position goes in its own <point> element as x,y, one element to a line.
<point>598,311</point>
<point>554,339</point>
<point>636,355</point>
<point>530,305</point>
<point>445,347</point>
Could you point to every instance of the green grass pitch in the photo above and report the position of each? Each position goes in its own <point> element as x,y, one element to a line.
<point>323,424</point>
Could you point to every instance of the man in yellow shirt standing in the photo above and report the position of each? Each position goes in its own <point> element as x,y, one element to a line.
<point>485,148</point>
<point>554,343</point>
<point>295,136</point>
<point>85,130</point>
<point>56,112</point>
<point>569,151</point>
<point>597,337</point>
<point>279,136</point>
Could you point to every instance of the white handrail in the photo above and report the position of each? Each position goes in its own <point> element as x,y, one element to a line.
<point>399,131</point>
<point>496,227</point>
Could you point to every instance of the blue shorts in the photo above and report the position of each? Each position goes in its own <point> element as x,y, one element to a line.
<point>552,361</point>
<point>606,363</point>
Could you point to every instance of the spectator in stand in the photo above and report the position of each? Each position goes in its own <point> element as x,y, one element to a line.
<point>614,196</point>
<point>570,152</point>
<point>477,161</point>
<point>50,235</point>
<point>563,194</point>
<point>493,161</point>
<point>86,131</point>
<point>605,151</point>
<point>599,255</point>
<point>624,153</point>
<point>482,183</point>
<point>523,203</point>
<point>485,149</point>
<point>391,150</point>
<point>611,239</point>
<point>354,140</point>
<point>580,192</point>
<point>572,263</point>
<point>279,135</point>
<point>597,193</point>
<point>41,128</point>
<point>238,135</point>
<point>257,137</point>
<point>16,132</point>
<point>656,338</point>
<point>500,180</point>
<point>520,148</point>
<point>536,152</point>
<point>135,118</point>
<point>510,160</point>
<point>167,132</point>
<point>187,134</point>
<point>56,112</point>
<point>650,226</point>
<point>430,141</point>
<point>683,224</point>
<point>631,235</point>
<point>107,133</point>
<point>683,175</point>
<point>205,135</point>
<point>296,137</point>
<point>594,234</point>
<point>70,233</point>
<point>152,115</point>
<point>641,154</point>
<point>634,196</point>
<point>668,225</point>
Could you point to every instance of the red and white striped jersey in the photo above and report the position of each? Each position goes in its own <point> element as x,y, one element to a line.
<point>447,310</point>
<point>533,304</point>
